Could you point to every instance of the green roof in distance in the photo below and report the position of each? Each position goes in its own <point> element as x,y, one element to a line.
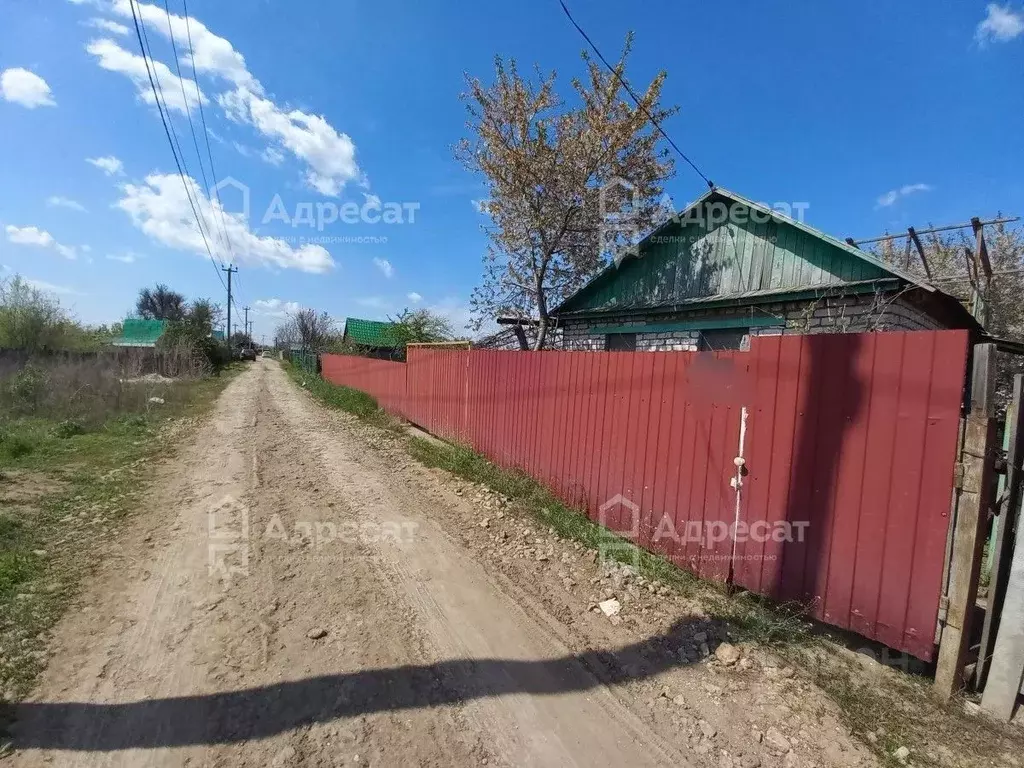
<point>371,333</point>
<point>140,333</point>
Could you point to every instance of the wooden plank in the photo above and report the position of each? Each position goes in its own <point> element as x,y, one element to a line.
<point>1007,669</point>
<point>1000,554</point>
<point>979,237</point>
<point>920,250</point>
<point>980,442</point>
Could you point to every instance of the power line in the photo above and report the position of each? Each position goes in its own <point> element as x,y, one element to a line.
<point>184,96</point>
<point>206,132</point>
<point>632,95</point>
<point>167,131</point>
<point>184,162</point>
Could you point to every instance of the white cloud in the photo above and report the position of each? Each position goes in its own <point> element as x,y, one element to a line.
<point>161,209</point>
<point>114,58</point>
<point>124,258</point>
<point>457,312</point>
<point>28,89</point>
<point>29,236</point>
<point>328,154</point>
<point>273,156</point>
<point>42,285</point>
<point>108,26</point>
<point>39,238</point>
<point>384,266</point>
<point>890,197</point>
<point>374,302</point>
<point>109,164</point>
<point>414,297</point>
<point>1000,24</point>
<point>213,55</point>
<point>275,307</point>
<point>56,201</point>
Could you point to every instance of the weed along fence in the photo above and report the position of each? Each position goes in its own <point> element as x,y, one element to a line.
<point>811,468</point>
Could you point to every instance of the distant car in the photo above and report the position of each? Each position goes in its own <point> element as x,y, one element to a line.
<point>247,353</point>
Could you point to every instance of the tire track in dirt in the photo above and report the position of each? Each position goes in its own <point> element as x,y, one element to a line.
<point>467,616</point>
<point>165,627</point>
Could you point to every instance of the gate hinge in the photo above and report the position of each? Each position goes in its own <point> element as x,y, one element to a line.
<point>940,620</point>
<point>943,608</point>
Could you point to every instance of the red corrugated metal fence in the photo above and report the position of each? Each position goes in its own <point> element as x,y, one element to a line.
<point>383,379</point>
<point>848,441</point>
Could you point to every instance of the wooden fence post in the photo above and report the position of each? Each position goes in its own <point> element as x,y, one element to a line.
<point>1000,554</point>
<point>972,514</point>
<point>1006,671</point>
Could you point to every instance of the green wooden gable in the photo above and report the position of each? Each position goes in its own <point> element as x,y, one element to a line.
<point>698,257</point>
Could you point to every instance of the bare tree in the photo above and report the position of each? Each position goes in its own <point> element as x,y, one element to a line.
<point>286,334</point>
<point>160,303</point>
<point>955,270</point>
<point>314,330</point>
<point>555,175</point>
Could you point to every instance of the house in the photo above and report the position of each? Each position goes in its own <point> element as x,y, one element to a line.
<point>726,269</point>
<point>140,333</point>
<point>374,338</point>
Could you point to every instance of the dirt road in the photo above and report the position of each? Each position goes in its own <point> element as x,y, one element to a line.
<point>299,592</point>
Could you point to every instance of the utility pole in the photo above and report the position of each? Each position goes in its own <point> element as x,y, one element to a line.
<point>230,270</point>
<point>246,326</point>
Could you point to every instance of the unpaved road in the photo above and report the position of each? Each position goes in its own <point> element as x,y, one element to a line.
<point>299,592</point>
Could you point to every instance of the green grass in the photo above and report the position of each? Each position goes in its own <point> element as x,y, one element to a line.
<point>63,492</point>
<point>346,399</point>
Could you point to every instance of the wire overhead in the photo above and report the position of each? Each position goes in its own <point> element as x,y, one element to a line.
<point>206,132</point>
<point>181,153</point>
<point>636,100</point>
<point>184,96</point>
<point>170,136</point>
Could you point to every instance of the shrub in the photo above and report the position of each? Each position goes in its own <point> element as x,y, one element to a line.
<point>14,446</point>
<point>68,428</point>
<point>26,388</point>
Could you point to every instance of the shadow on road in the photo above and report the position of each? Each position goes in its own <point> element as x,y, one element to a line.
<point>256,713</point>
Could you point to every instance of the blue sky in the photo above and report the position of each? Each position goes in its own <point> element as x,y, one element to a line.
<point>878,115</point>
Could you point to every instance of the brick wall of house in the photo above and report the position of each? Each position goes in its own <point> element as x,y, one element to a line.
<point>835,314</point>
